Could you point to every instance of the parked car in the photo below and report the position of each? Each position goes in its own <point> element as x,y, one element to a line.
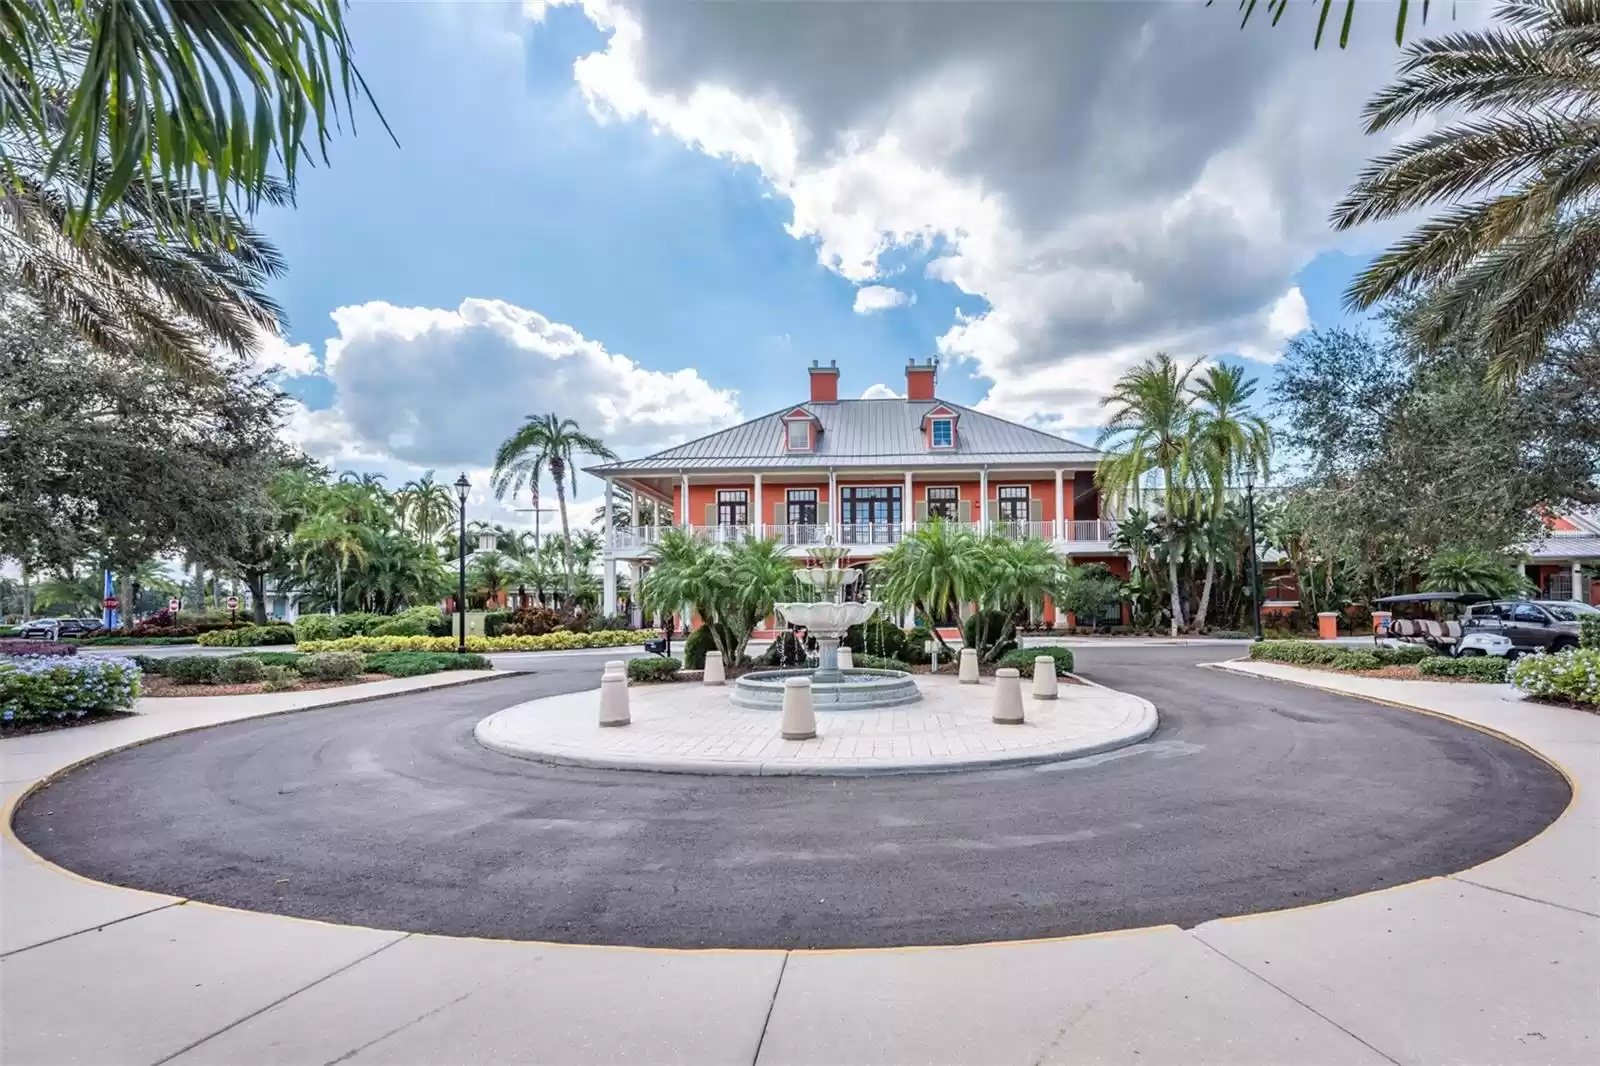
<point>1531,625</point>
<point>54,628</point>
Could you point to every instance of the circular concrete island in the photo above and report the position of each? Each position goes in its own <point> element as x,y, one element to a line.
<point>690,727</point>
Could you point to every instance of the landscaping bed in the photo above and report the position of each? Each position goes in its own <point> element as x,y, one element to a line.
<point>156,687</point>
<point>1412,663</point>
<point>44,692</point>
<point>253,672</point>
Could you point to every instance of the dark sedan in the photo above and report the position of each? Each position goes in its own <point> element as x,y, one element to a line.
<point>53,628</point>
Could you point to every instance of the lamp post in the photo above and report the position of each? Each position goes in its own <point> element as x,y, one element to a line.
<point>462,485</point>
<point>1255,563</point>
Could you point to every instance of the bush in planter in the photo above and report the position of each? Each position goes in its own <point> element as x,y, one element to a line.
<point>38,688</point>
<point>989,625</point>
<point>191,669</point>
<point>876,636</point>
<point>251,637</point>
<point>1572,675</point>
<point>278,678</point>
<point>240,670</point>
<point>1489,669</point>
<point>880,662</point>
<point>332,665</point>
<point>1022,659</point>
<point>36,647</point>
<point>316,627</point>
<point>700,642</point>
<point>654,669</point>
<point>787,650</point>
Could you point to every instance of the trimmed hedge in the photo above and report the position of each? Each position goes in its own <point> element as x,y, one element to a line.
<point>332,665</point>
<point>879,662</point>
<point>1311,653</point>
<point>39,688</point>
<point>189,669</point>
<point>278,678</point>
<point>240,670</point>
<point>155,642</point>
<point>1572,675</point>
<point>654,669</point>
<point>787,650</point>
<point>608,638</point>
<point>1022,659</point>
<point>253,637</point>
<point>876,636</point>
<point>36,647</point>
<point>416,663</point>
<point>1490,669</point>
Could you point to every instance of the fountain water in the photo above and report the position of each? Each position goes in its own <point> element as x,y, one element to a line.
<point>826,619</point>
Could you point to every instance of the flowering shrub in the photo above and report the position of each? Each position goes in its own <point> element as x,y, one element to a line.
<point>251,637</point>
<point>1573,675</point>
<point>36,688</point>
<point>36,647</point>
<point>560,641</point>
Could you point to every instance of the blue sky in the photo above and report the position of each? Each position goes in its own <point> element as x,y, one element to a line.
<point>513,182</point>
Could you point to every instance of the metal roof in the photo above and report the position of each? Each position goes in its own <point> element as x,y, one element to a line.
<point>1566,546</point>
<point>863,433</point>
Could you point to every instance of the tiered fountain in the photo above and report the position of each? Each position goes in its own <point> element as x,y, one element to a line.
<point>826,619</point>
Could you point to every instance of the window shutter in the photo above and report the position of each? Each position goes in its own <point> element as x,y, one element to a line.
<point>822,513</point>
<point>779,517</point>
<point>1035,510</point>
<point>966,511</point>
<point>921,510</point>
<point>711,514</point>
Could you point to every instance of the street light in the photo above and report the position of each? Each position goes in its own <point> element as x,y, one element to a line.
<point>462,485</point>
<point>1255,564</point>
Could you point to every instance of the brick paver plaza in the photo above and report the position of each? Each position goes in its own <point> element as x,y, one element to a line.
<point>691,727</point>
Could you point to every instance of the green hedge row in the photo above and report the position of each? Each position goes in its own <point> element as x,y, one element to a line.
<point>1022,659</point>
<point>253,637</point>
<point>322,666</point>
<point>654,669</point>
<point>1312,653</point>
<point>1490,669</point>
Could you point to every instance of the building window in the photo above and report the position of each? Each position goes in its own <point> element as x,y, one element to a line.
<point>802,507</point>
<point>944,503</point>
<point>944,433</point>
<point>869,514</point>
<point>1013,503</point>
<point>733,507</point>
<point>799,436</point>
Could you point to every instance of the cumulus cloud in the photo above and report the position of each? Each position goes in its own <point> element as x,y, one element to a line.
<point>1109,178</point>
<point>880,391</point>
<point>872,298</point>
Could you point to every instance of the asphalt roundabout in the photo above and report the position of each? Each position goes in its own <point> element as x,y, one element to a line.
<point>1251,796</point>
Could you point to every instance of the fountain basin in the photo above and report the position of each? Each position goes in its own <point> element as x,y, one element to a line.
<point>826,619</point>
<point>855,690</point>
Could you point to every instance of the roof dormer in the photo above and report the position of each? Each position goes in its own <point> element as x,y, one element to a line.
<point>800,431</point>
<point>939,428</point>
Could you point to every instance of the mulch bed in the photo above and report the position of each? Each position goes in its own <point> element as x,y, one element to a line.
<point>51,725</point>
<point>1391,673</point>
<point>157,687</point>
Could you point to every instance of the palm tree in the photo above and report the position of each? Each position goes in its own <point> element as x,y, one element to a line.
<point>1515,252</point>
<point>329,530</point>
<point>1151,425</point>
<point>1229,441</point>
<point>202,94</point>
<point>759,573</point>
<point>490,574</point>
<point>545,442</point>
<point>1275,9</point>
<point>1472,570</point>
<point>687,573</point>
<point>428,505</point>
<point>936,566</point>
<point>1017,576</point>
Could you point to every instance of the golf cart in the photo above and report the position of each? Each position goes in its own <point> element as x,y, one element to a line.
<point>1435,619</point>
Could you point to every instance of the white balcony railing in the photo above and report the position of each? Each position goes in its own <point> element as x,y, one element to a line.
<point>799,535</point>
<point>870,533</point>
<point>1096,530</point>
<point>637,541</point>
<point>1022,530</point>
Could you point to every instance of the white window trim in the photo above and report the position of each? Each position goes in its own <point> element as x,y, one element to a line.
<point>788,435</point>
<point>932,426</point>
<point>927,499</point>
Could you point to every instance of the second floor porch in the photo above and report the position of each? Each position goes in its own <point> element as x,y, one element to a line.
<point>1071,536</point>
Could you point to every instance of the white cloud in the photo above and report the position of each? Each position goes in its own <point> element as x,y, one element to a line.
<point>872,298</point>
<point>881,391</point>
<point>273,354</point>
<point>1289,315</point>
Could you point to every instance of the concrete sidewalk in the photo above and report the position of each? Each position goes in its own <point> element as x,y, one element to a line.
<point>1497,964</point>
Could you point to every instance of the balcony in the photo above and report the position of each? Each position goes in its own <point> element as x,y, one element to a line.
<point>866,538</point>
<point>870,533</point>
<point>1021,530</point>
<point>1097,531</point>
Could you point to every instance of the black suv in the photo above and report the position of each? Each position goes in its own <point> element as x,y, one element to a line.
<point>52,628</point>
<point>1532,625</point>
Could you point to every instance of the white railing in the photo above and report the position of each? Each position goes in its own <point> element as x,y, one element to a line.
<point>870,532</point>
<point>635,539</point>
<point>799,535</point>
<point>1021,530</point>
<point>1092,529</point>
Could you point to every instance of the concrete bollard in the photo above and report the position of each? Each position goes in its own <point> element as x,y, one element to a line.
<point>799,717</point>
<point>847,658</point>
<point>1007,696</point>
<point>969,667</point>
<point>614,694</point>
<point>715,673</point>
<point>1044,678</point>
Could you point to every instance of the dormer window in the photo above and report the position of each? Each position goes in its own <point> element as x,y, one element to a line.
<point>799,436</point>
<point>942,433</point>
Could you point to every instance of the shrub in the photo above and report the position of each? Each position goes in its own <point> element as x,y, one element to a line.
<point>700,642</point>
<point>533,621</point>
<point>146,664</point>
<point>989,625</point>
<point>1302,652</point>
<point>36,647</point>
<point>1486,668</point>
<point>34,688</point>
<point>277,658</point>
<point>332,665</point>
<point>359,623</point>
<point>1229,634</point>
<point>191,669</point>
<point>405,625</point>
<point>278,678</point>
<point>1022,659</point>
<point>316,627</point>
<point>609,621</point>
<point>415,663</point>
<point>1357,660</point>
<point>240,670</point>
<point>787,650</point>
<point>879,662</point>
<point>559,641</point>
<point>142,632</point>
<point>494,620</point>
<point>1409,655</point>
<point>916,637</point>
<point>654,669</point>
<point>122,641</point>
<point>1589,631</point>
<point>254,636</point>
<point>878,637</point>
<point>1573,675</point>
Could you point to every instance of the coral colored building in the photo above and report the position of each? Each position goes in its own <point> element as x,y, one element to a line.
<point>865,472</point>
<point>1564,563</point>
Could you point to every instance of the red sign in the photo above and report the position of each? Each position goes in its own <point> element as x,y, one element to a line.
<point>109,603</point>
<point>233,603</point>
<point>172,605</point>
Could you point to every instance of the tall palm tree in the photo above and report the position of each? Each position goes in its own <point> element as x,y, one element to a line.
<point>1151,428</point>
<point>1515,251</point>
<point>330,530</point>
<point>1229,441</point>
<point>1017,575</point>
<point>194,95</point>
<point>545,442</point>
<point>687,573</point>
<point>759,574</point>
<point>429,505</point>
<point>937,566</point>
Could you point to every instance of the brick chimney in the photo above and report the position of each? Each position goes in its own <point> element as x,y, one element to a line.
<point>825,382</point>
<point>920,378</point>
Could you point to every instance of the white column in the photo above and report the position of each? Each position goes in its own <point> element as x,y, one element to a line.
<point>983,500</point>
<point>1061,513</point>
<point>908,506</point>
<point>1577,580</point>
<point>609,566</point>
<point>833,504</point>
<point>683,502</point>
<point>759,519</point>
<point>633,513</point>
<point>635,594</point>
